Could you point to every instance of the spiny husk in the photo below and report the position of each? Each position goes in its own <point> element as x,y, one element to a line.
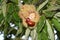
<point>25,12</point>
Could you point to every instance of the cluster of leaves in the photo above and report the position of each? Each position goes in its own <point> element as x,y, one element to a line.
<point>49,21</point>
<point>49,11</point>
<point>8,17</point>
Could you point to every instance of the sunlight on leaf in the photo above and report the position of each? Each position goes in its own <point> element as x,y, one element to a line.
<point>50,31</point>
<point>42,5</point>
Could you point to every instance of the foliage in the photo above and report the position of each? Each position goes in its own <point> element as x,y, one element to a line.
<point>49,11</point>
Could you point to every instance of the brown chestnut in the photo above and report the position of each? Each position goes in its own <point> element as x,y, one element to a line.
<point>29,22</point>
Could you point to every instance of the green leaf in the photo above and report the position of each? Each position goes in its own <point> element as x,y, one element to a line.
<point>19,29</point>
<point>33,34</point>
<point>1,17</point>
<point>34,1</point>
<point>13,31</point>
<point>41,23</point>
<point>58,2</point>
<point>9,17</point>
<point>10,30</point>
<point>10,8</point>
<point>39,36</point>
<point>16,17</point>
<point>50,31</point>
<point>56,24</point>
<point>57,14</point>
<point>17,38</point>
<point>4,8</point>
<point>43,35</point>
<point>53,7</point>
<point>42,5</point>
<point>12,12</point>
<point>27,32</point>
<point>27,1</point>
<point>15,1</point>
<point>48,13</point>
<point>6,26</point>
<point>1,23</point>
<point>0,11</point>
